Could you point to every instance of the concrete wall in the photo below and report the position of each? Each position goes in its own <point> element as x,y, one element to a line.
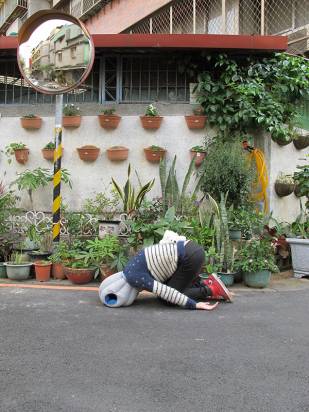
<point>90,178</point>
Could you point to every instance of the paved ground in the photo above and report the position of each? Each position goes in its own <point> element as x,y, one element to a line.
<point>61,350</point>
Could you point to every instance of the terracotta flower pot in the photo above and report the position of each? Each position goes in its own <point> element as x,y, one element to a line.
<point>88,153</point>
<point>106,271</point>
<point>42,271</point>
<point>151,122</point>
<point>154,156</point>
<point>199,157</point>
<point>21,155</point>
<point>48,154</point>
<point>109,121</point>
<point>117,153</point>
<point>301,142</point>
<point>79,276</point>
<point>284,189</point>
<point>31,123</point>
<point>57,271</point>
<point>196,122</point>
<point>71,121</point>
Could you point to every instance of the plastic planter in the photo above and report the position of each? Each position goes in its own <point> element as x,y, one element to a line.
<point>227,278</point>
<point>71,121</point>
<point>154,156</point>
<point>195,122</point>
<point>88,153</point>
<point>18,272</point>
<point>235,234</point>
<point>79,276</point>
<point>2,271</point>
<point>31,122</point>
<point>257,280</point>
<point>198,156</point>
<point>109,121</point>
<point>117,153</point>
<point>300,256</point>
<point>42,271</point>
<point>21,155</point>
<point>151,122</point>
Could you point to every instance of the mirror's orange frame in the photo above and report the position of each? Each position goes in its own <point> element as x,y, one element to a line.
<point>32,23</point>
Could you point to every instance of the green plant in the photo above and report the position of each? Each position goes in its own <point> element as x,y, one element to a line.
<point>200,149</point>
<point>31,180</point>
<point>257,255</point>
<point>7,207</point>
<point>155,148</point>
<point>102,205</point>
<point>171,194</point>
<point>300,227</point>
<point>17,258</point>
<point>286,179</point>
<point>198,111</point>
<point>227,171</point>
<point>30,116</point>
<point>240,93</point>
<point>151,110</point>
<point>50,146</point>
<point>71,110</point>
<point>109,111</point>
<point>131,199</point>
<point>301,179</point>
<point>10,149</point>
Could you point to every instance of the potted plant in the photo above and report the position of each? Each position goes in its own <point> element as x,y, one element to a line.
<point>299,242</point>
<point>88,153</point>
<point>301,179</point>
<point>48,151</point>
<point>42,270</point>
<point>199,154</point>
<point>235,224</point>
<point>71,116</point>
<point>45,242</point>
<point>154,153</point>
<point>257,261</point>
<point>78,264</point>
<point>20,150</point>
<point>197,120</point>
<point>284,185</point>
<point>109,120</point>
<point>301,141</point>
<point>117,153</point>
<point>56,258</point>
<point>31,121</point>
<point>151,119</point>
<point>17,268</point>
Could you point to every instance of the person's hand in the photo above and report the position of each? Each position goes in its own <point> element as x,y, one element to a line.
<point>206,305</point>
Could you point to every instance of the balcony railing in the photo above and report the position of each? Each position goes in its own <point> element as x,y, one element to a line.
<point>10,11</point>
<point>82,9</point>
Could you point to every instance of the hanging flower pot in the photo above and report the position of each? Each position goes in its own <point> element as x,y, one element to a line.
<point>117,153</point>
<point>154,153</point>
<point>42,270</point>
<point>71,121</point>
<point>88,153</point>
<point>109,120</point>
<point>31,121</point>
<point>284,189</point>
<point>301,142</point>
<point>21,155</point>
<point>281,141</point>
<point>196,122</point>
<point>151,119</point>
<point>199,154</point>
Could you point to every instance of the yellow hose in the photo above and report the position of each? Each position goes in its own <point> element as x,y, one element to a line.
<point>260,186</point>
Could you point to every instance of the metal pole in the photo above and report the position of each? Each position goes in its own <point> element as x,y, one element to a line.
<point>223,5</point>
<point>57,168</point>
<point>262,17</point>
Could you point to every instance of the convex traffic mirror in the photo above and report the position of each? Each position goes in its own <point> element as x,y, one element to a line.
<point>55,52</point>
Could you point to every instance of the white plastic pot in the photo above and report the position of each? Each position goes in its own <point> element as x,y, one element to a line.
<point>300,256</point>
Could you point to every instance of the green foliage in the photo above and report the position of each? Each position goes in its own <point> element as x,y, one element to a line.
<point>301,179</point>
<point>227,171</point>
<point>300,227</point>
<point>149,212</point>
<point>256,255</point>
<point>7,205</point>
<point>199,149</point>
<point>50,146</point>
<point>284,178</point>
<point>102,205</point>
<point>30,116</point>
<point>31,180</point>
<point>10,149</point>
<point>131,199</point>
<point>71,110</point>
<point>172,195</point>
<point>109,111</point>
<point>151,110</point>
<point>155,148</point>
<point>244,93</point>
<point>17,258</point>
<point>248,220</point>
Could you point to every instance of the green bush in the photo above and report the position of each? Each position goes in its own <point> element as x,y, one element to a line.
<point>227,171</point>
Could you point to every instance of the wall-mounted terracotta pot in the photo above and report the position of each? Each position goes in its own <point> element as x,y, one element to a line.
<point>117,153</point>
<point>151,122</point>
<point>71,121</point>
<point>31,122</point>
<point>154,155</point>
<point>196,122</point>
<point>21,155</point>
<point>199,157</point>
<point>48,154</point>
<point>109,121</point>
<point>88,153</point>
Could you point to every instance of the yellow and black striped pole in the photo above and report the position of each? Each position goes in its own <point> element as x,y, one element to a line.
<point>57,169</point>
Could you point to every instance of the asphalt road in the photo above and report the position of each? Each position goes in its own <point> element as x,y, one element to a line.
<point>63,351</point>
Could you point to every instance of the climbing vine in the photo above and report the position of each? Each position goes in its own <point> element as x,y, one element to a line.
<point>239,94</point>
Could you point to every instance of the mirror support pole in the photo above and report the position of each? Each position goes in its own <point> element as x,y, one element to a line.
<point>57,168</point>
